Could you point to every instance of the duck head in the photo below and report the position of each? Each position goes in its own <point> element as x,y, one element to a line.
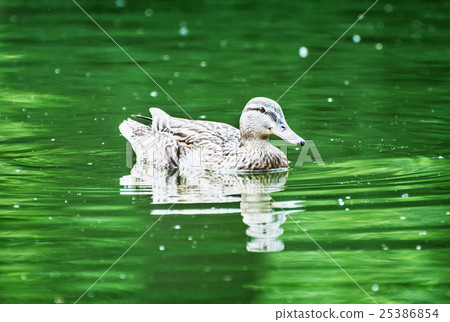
<point>262,117</point>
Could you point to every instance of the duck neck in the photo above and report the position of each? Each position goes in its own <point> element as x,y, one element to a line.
<point>252,142</point>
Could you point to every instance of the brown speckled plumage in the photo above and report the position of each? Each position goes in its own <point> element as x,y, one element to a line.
<point>184,143</point>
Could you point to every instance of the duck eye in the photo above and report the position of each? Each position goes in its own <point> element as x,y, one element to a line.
<point>262,109</point>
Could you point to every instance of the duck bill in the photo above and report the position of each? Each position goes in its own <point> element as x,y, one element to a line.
<point>283,130</point>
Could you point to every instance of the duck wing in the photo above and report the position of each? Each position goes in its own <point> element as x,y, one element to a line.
<point>192,134</point>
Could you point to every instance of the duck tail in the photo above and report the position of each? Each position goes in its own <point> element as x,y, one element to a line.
<point>137,134</point>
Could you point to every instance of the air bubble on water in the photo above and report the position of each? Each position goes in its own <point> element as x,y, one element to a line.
<point>379,46</point>
<point>303,52</point>
<point>388,7</point>
<point>121,3</point>
<point>148,12</point>
<point>203,64</point>
<point>162,247</point>
<point>23,277</point>
<point>50,217</point>
<point>154,94</point>
<point>223,43</point>
<point>375,287</point>
<point>58,300</point>
<point>166,57</point>
<point>190,238</point>
<point>66,201</point>
<point>57,71</point>
<point>341,202</point>
<point>122,276</point>
<point>202,117</point>
<point>17,206</point>
<point>177,227</point>
<point>227,278</point>
<point>356,38</point>
<point>440,157</point>
<point>418,247</point>
<point>402,217</point>
<point>53,140</point>
<point>347,197</point>
<point>384,246</point>
<point>89,163</point>
<point>405,195</point>
<point>346,209</point>
<point>422,233</point>
<point>346,82</point>
<point>183,31</point>
<point>448,213</point>
<point>124,108</point>
<point>330,99</point>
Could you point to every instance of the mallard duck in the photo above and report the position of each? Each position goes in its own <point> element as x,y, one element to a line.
<point>184,143</point>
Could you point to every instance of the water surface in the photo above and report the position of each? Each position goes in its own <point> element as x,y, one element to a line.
<point>376,107</point>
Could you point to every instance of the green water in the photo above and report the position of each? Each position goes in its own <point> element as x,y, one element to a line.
<point>377,110</point>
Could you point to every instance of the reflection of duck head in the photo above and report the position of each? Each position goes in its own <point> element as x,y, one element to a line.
<point>204,187</point>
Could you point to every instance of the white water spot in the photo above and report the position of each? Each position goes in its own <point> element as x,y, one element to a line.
<point>422,233</point>
<point>346,209</point>
<point>122,276</point>
<point>166,57</point>
<point>124,108</point>
<point>53,140</point>
<point>448,213</point>
<point>57,71</point>
<point>330,99</point>
<point>388,8</point>
<point>418,247</point>
<point>202,117</point>
<point>203,64</point>
<point>121,3</point>
<point>303,52</point>
<point>177,227</point>
<point>347,197</point>
<point>16,206</point>
<point>50,218</point>
<point>440,157</point>
<point>23,277</point>
<point>148,12</point>
<point>402,217</point>
<point>341,202</point>
<point>379,46</point>
<point>162,247</point>
<point>183,31</point>
<point>58,300</point>
<point>89,163</point>
<point>356,38</point>
<point>384,246</point>
<point>66,201</point>
<point>405,195</point>
<point>154,94</point>
<point>18,170</point>
<point>375,287</point>
<point>190,238</point>
<point>346,82</point>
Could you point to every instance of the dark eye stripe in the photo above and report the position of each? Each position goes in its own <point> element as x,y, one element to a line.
<point>272,115</point>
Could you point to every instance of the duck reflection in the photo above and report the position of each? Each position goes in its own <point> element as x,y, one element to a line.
<point>251,190</point>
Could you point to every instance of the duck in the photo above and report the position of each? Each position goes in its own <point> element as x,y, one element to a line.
<point>186,144</point>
